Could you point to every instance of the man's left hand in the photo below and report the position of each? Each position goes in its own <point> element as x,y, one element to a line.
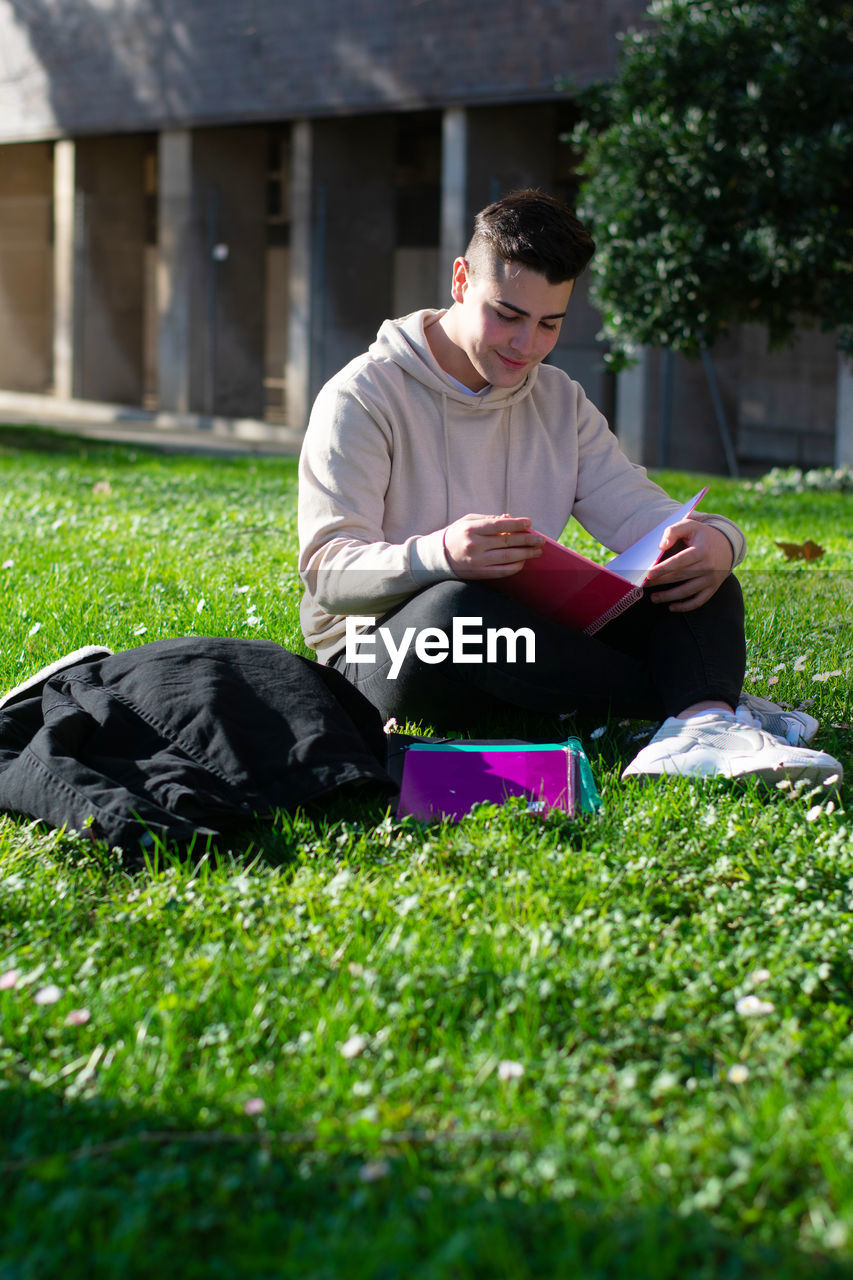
<point>688,577</point>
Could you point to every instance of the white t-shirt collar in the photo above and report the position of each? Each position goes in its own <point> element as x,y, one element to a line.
<point>467,390</point>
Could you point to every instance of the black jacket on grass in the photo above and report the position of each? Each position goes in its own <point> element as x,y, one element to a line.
<point>181,737</point>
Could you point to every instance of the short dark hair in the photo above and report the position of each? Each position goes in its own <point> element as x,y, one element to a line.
<point>533,229</point>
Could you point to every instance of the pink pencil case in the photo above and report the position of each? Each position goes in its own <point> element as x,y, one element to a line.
<point>445,779</point>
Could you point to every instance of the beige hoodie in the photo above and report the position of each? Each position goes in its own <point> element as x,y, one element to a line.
<point>395,451</point>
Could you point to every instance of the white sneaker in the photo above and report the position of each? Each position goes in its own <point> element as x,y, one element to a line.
<point>718,746</point>
<point>795,727</point>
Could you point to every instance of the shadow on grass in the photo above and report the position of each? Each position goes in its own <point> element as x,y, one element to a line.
<point>43,440</point>
<point>96,1187</point>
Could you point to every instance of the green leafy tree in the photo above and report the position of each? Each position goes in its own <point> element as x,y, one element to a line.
<point>718,173</point>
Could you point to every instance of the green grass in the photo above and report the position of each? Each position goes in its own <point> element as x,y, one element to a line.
<point>293,1056</point>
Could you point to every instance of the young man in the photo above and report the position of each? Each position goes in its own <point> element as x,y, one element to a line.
<point>430,467</point>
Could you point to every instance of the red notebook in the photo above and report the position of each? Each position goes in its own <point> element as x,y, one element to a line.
<point>566,587</point>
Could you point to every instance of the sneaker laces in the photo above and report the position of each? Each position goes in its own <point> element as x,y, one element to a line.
<point>775,723</point>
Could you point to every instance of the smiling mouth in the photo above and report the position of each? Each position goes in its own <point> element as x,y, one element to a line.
<point>512,364</point>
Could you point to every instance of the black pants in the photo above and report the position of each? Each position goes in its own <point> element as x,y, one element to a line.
<point>649,662</point>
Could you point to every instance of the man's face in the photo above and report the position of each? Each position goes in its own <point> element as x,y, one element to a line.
<point>506,321</point>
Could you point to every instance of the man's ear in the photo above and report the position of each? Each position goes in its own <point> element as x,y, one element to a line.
<point>461,279</point>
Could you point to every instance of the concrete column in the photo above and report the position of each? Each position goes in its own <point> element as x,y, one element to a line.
<point>342,248</point>
<point>26,308</point>
<point>65,374</point>
<point>631,402</point>
<point>455,224</point>
<point>300,376</point>
<point>174,205</point>
<point>844,413</point>
<point>110,224</point>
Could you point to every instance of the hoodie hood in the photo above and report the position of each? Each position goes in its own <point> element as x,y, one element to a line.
<point>405,343</point>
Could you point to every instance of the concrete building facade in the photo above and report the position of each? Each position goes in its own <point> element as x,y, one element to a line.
<point>208,207</point>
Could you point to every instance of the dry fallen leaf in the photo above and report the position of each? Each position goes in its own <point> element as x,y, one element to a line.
<point>807,550</point>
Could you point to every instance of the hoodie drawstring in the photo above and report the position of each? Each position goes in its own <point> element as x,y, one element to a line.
<point>508,464</point>
<point>448,471</point>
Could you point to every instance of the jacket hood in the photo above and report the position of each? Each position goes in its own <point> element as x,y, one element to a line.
<point>404,343</point>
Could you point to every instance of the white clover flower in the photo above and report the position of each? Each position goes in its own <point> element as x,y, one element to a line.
<point>354,1046</point>
<point>254,1106</point>
<point>760,975</point>
<point>390,725</point>
<point>753,1006</point>
<point>48,995</point>
<point>664,1083</point>
<point>77,1017</point>
<point>599,732</point>
<point>8,564</point>
<point>737,1074</point>
<point>509,1070</point>
<point>9,979</point>
<point>814,812</point>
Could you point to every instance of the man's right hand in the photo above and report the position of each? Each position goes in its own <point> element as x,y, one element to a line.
<point>480,546</point>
